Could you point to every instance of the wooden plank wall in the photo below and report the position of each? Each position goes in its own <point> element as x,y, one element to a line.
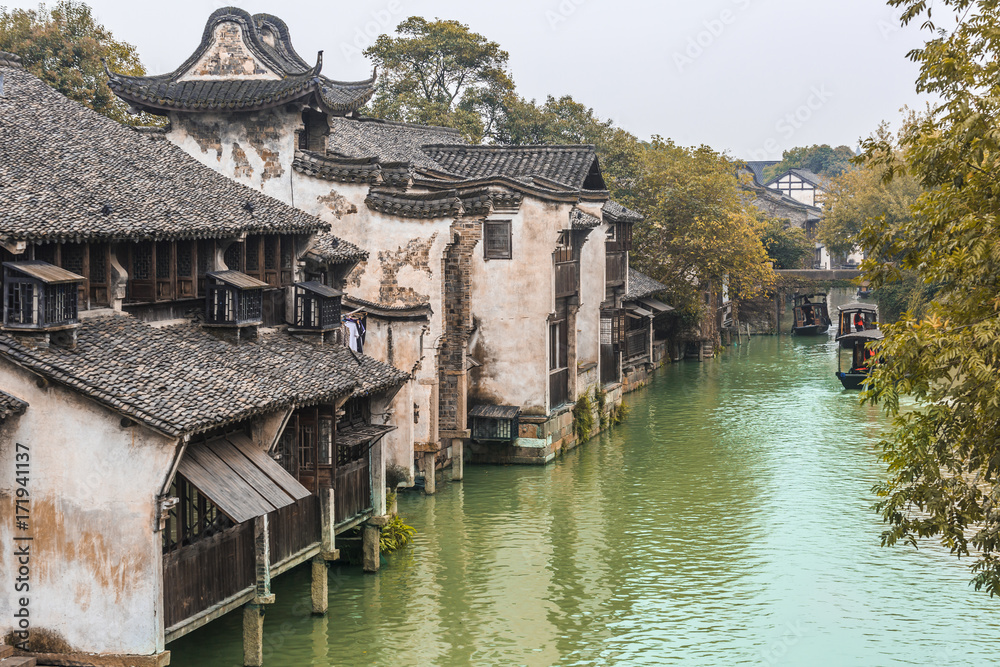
<point>295,527</point>
<point>353,490</point>
<point>207,572</point>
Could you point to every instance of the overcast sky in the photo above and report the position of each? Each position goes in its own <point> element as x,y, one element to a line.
<point>751,77</point>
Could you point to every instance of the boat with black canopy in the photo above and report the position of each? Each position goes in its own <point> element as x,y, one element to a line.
<point>812,317</point>
<point>855,317</point>
<point>860,343</point>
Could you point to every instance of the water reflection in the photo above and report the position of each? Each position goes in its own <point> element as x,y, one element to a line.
<point>726,523</point>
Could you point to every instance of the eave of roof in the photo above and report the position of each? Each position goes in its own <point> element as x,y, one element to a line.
<point>640,285</point>
<point>298,82</point>
<point>11,405</point>
<point>181,380</point>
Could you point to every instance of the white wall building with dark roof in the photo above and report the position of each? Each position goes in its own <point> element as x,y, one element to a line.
<point>478,281</point>
<point>179,417</point>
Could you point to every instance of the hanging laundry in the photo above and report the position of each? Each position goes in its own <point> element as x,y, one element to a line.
<point>353,335</point>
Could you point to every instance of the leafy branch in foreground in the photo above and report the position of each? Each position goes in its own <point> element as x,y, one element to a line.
<point>943,454</point>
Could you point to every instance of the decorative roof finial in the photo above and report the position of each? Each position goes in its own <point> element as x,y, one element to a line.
<point>319,64</point>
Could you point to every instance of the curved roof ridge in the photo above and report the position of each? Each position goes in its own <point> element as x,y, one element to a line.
<point>415,126</point>
<point>227,91</point>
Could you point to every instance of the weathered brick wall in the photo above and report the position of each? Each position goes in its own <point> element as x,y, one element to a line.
<point>228,57</point>
<point>457,287</point>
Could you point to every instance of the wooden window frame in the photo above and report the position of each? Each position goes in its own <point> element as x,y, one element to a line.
<point>501,228</point>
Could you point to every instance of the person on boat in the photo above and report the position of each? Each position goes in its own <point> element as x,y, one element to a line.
<point>807,315</point>
<point>859,321</point>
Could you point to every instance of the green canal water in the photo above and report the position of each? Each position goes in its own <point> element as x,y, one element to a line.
<point>727,523</point>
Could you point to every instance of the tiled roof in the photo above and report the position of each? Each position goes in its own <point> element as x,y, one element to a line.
<point>9,59</point>
<point>351,169</point>
<point>387,141</point>
<point>181,379</point>
<point>410,312</point>
<point>580,219</point>
<point>757,168</point>
<point>10,406</point>
<point>615,212</point>
<point>328,248</point>
<point>70,174</point>
<point>572,166</point>
<point>413,205</point>
<point>443,203</point>
<point>296,79</point>
<point>640,285</point>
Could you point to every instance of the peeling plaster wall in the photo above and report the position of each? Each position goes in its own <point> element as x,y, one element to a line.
<point>511,302</point>
<point>398,343</point>
<point>256,149</point>
<point>95,559</point>
<point>403,268</point>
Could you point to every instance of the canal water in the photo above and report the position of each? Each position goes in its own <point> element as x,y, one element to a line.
<point>727,522</point>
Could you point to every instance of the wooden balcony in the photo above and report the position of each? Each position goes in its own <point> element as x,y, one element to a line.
<point>567,279</point>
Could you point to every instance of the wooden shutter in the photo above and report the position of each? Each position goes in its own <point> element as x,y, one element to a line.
<point>497,240</point>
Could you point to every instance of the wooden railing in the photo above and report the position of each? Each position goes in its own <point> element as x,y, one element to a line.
<point>202,574</point>
<point>567,279</point>
<point>352,490</point>
<point>558,387</point>
<point>617,267</point>
<point>294,528</point>
<point>636,344</point>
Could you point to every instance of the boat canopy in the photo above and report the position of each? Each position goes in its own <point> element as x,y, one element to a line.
<point>866,336</point>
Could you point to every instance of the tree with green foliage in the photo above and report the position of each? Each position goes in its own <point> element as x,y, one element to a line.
<point>942,455</point>
<point>699,228</point>
<point>64,47</point>
<point>787,247</point>
<point>822,160</point>
<point>860,195</point>
<point>442,73</point>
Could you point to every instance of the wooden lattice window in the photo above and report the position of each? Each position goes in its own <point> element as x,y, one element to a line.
<point>193,518</point>
<point>497,240</point>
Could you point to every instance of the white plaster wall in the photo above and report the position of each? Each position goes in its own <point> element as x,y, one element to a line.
<point>96,561</point>
<point>256,149</point>
<point>511,302</point>
<point>409,253</point>
<point>404,355</point>
<point>593,272</point>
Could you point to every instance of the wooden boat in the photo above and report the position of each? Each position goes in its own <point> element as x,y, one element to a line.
<point>811,315</point>
<point>859,343</point>
<point>864,290</point>
<point>855,317</point>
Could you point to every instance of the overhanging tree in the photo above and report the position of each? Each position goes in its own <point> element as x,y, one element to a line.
<point>64,47</point>
<point>699,228</point>
<point>864,194</point>
<point>441,73</point>
<point>943,456</point>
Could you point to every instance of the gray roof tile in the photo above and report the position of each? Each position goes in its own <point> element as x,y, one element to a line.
<point>298,81</point>
<point>640,285</point>
<point>181,379</point>
<point>10,405</point>
<point>328,248</point>
<point>615,212</point>
<point>62,166</point>
<point>387,141</point>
